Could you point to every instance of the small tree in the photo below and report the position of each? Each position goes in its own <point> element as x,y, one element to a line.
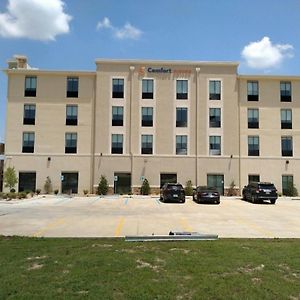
<point>231,190</point>
<point>10,178</point>
<point>145,188</point>
<point>103,186</point>
<point>291,190</point>
<point>48,186</point>
<point>188,188</point>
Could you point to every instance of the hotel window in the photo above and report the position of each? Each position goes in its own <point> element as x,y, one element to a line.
<point>117,116</point>
<point>30,86</point>
<point>287,185</point>
<point>253,146</point>
<point>117,143</point>
<point>72,87</point>
<point>215,117</point>
<point>28,142</point>
<point>118,88</point>
<point>29,114</point>
<point>147,144</point>
<point>252,90</point>
<point>147,116</point>
<point>214,90</point>
<point>286,118</point>
<point>181,117</point>
<point>215,145</point>
<point>181,89</point>
<point>253,178</point>
<point>285,91</point>
<point>253,118</point>
<point>287,146</point>
<point>147,89</point>
<point>71,143</point>
<point>71,114</point>
<point>181,144</point>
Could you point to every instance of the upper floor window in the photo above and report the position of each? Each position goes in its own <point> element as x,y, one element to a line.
<point>252,90</point>
<point>28,142</point>
<point>215,145</point>
<point>215,117</point>
<point>117,116</point>
<point>71,143</point>
<point>147,116</point>
<point>181,117</point>
<point>287,146</point>
<point>72,87</point>
<point>285,91</point>
<point>253,118</point>
<point>181,144</point>
<point>253,178</point>
<point>286,118</point>
<point>147,144</point>
<point>30,86</point>
<point>214,90</point>
<point>29,114</point>
<point>117,143</point>
<point>71,114</point>
<point>181,89</point>
<point>253,146</point>
<point>118,88</point>
<point>147,89</point>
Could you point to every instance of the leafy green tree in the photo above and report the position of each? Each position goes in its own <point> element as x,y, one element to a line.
<point>103,186</point>
<point>188,188</point>
<point>10,178</point>
<point>48,186</point>
<point>145,188</point>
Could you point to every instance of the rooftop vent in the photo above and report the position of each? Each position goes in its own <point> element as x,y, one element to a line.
<point>18,62</point>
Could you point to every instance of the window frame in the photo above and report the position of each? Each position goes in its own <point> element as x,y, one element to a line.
<point>118,121</point>
<point>28,144</point>
<point>31,90</point>
<point>146,123</point>
<point>70,118</point>
<point>213,91</point>
<point>182,95</point>
<point>217,122</point>
<point>285,122</point>
<point>117,94</point>
<point>251,123</point>
<point>179,140</point>
<point>147,146</point>
<point>117,150</point>
<point>215,151</point>
<point>253,94</point>
<point>287,152</point>
<point>147,95</point>
<point>71,149</point>
<point>285,94</point>
<point>29,120</point>
<point>72,86</point>
<point>253,148</point>
<point>179,122</point>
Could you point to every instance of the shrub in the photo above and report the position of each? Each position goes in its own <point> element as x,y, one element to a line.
<point>38,191</point>
<point>85,192</point>
<point>12,190</point>
<point>231,190</point>
<point>56,192</point>
<point>103,186</point>
<point>1,195</point>
<point>188,188</point>
<point>145,188</point>
<point>48,186</point>
<point>291,190</point>
<point>22,195</point>
<point>10,178</point>
<point>11,195</point>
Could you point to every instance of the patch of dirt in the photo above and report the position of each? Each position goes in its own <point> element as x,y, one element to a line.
<point>295,297</point>
<point>126,251</point>
<point>184,296</point>
<point>185,251</point>
<point>82,292</point>
<point>35,266</point>
<point>144,264</point>
<point>256,280</point>
<point>102,245</point>
<point>247,269</point>
<point>37,257</point>
<point>66,271</point>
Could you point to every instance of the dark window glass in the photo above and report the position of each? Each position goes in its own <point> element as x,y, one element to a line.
<point>214,90</point>
<point>287,184</point>
<point>69,182</point>
<point>147,116</point>
<point>253,146</point>
<point>29,114</point>
<point>215,117</point>
<point>117,143</point>
<point>147,89</point>
<point>181,117</point>
<point>181,89</point>
<point>253,178</point>
<point>28,142</point>
<point>286,118</point>
<point>30,86</point>
<point>71,143</point>
<point>147,144</point>
<point>27,181</point>
<point>286,146</point>
<point>118,88</point>
<point>181,144</point>
<point>252,90</point>
<point>253,118</point>
<point>215,145</point>
<point>72,87</point>
<point>71,115</point>
<point>117,116</point>
<point>285,91</point>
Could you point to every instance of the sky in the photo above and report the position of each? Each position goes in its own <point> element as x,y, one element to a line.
<point>263,35</point>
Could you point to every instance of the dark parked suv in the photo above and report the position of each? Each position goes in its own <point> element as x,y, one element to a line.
<point>172,192</point>
<point>206,194</point>
<point>259,191</point>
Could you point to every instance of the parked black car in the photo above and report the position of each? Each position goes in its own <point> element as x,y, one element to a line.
<point>206,194</point>
<point>172,192</point>
<point>259,191</point>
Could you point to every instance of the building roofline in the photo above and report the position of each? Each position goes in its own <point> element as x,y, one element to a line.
<point>51,72</point>
<point>275,77</point>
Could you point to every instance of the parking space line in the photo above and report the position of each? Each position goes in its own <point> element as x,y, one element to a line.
<point>52,225</point>
<point>95,200</point>
<point>256,228</point>
<point>157,201</point>
<point>126,201</point>
<point>185,225</point>
<point>119,226</point>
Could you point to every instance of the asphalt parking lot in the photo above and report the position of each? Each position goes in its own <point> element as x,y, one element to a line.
<point>114,216</point>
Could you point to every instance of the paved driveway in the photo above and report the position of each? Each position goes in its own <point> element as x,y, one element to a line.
<point>114,216</point>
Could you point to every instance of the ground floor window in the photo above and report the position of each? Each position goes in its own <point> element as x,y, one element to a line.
<point>253,178</point>
<point>69,182</point>
<point>216,181</point>
<point>27,181</point>
<point>287,184</point>
<point>167,178</point>
<point>122,183</point>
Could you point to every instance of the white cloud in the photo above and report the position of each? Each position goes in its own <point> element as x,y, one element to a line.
<point>34,19</point>
<point>126,32</point>
<point>263,54</point>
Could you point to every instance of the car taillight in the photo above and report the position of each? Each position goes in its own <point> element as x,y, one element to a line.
<point>257,191</point>
<point>203,194</point>
<point>215,194</point>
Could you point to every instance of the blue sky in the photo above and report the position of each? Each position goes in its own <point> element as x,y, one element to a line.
<point>70,34</point>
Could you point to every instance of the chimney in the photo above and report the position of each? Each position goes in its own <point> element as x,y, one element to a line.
<point>18,62</point>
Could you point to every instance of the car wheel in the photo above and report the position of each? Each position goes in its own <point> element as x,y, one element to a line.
<point>273,201</point>
<point>218,202</point>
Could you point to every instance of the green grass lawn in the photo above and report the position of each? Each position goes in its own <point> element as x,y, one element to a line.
<point>33,268</point>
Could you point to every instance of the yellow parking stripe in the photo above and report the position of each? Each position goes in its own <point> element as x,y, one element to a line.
<point>184,224</point>
<point>256,228</point>
<point>54,224</point>
<point>119,226</point>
